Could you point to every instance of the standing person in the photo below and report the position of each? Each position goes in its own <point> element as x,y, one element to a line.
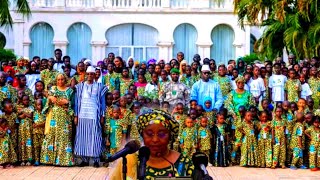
<point>48,76</point>
<point>174,92</point>
<point>206,87</point>
<point>58,60</point>
<point>256,84</point>
<point>89,118</point>
<point>277,84</point>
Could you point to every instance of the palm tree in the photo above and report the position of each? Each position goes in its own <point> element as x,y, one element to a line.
<point>293,25</point>
<point>19,6</point>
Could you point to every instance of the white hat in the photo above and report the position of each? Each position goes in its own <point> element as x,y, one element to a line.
<point>205,68</point>
<point>91,69</point>
<point>87,61</point>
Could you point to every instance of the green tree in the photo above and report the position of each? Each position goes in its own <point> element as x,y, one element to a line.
<point>19,6</point>
<point>290,24</point>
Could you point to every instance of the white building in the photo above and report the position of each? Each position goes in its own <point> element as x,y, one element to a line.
<point>142,28</point>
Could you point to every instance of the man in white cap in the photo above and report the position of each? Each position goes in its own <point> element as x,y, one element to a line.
<point>207,89</point>
<point>89,112</point>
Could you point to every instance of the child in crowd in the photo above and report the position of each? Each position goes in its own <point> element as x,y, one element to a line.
<point>165,106</point>
<point>221,141</point>
<point>209,112</point>
<point>115,130</point>
<point>178,113</point>
<point>292,87</point>
<point>25,132</point>
<point>188,138</point>
<point>19,103</point>
<point>296,143</point>
<point>237,134</point>
<point>193,115</point>
<point>223,80</point>
<point>302,106</point>
<point>264,140</point>
<point>204,136</point>
<point>289,119</point>
<point>13,122</point>
<point>249,144</point>
<point>38,130</point>
<point>305,88</point>
<point>308,118</point>
<point>193,104</point>
<point>278,139</point>
<point>277,84</point>
<point>8,154</point>
<point>313,133</point>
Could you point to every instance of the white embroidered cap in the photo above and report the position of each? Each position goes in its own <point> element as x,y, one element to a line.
<point>205,68</point>
<point>91,69</point>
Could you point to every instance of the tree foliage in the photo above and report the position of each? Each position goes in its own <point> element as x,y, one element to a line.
<point>293,25</point>
<point>19,6</point>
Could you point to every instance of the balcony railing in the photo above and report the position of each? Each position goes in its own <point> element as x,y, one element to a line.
<point>133,4</point>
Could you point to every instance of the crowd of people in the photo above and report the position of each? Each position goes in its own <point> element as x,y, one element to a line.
<point>253,115</point>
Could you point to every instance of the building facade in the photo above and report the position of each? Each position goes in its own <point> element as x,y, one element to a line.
<point>143,29</point>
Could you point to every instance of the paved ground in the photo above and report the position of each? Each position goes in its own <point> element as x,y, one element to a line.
<point>239,173</point>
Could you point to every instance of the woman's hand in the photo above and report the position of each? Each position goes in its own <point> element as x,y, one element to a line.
<point>52,99</point>
<point>62,102</point>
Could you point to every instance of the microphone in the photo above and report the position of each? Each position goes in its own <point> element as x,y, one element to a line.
<point>171,164</point>
<point>144,154</point>
<point>131,147</point>
<point>200,161</point>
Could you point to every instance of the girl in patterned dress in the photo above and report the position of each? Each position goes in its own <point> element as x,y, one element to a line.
<point>314,83</point>
<point>141,84</point>
<point>223,81</point>
<point>292,87</point>
<point>188,138</point>
<point>38,130</point>
<point>278,139</point>
<point>313,133</point>
<point>25,132</point>
<point>237,134</point>
<point>296,143</point>
<point>209,112</point>
<point>249,144</point>
<point>264,140</point>
<point>289,119</point>
<point>7,152</point>
<point>115,130</point>
<point>220,142</point>
<point>179,115</point>
<point>204,136</point>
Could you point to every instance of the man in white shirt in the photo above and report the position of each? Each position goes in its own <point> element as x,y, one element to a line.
<point>256,85</point>
<point>276,85</point>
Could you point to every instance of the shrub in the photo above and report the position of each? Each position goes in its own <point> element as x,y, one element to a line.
<point>6,55</point>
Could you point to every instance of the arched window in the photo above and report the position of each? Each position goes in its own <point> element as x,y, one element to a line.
<point>41,36</point>
<point>79,38</point>
<point>137,40</point>
<point>222,48</point>
<point>252,42</point>
<point>185,37</point>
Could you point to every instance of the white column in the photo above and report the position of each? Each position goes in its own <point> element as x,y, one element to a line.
<point>204,49</point>
<point>165,50</point>
<point>247,39</point>
<point>238,42</point>
<point>98,51</point>
<point>26,46</point>
<point>98,3</point>
<point>18,30</point>
<point>165,3</point>
<point>61,45</point>
<point>60,3</point>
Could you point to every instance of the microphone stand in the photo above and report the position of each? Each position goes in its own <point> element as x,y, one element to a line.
<point>124,168</point>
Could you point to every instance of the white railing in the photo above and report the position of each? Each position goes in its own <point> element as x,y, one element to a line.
<point>134,4</point>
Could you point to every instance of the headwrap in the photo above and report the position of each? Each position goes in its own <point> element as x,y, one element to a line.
<point>159,117</point>
<point>174,70</point>
<point>182,62</point>
<point>240,78</point>
<point>152,61</point>
<point>99,62</point>
<point>87,61</point>
<point>91,69</point>
<point>9,70</point>
<point>208,98</point>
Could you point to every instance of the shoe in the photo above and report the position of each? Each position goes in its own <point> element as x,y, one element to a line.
<point>83,164</point>
<point>22,164</point>
<point>283,167</point>
<point>314,169</point>
<point>96,164</point>
<point>303,167</point>
<point>273,167</point>
<point>36,163</point>
<point>293,167</point>
<point>28,164</point>
<point>209,164</point>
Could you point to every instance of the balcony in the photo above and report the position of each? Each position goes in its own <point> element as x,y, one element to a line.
<point>133,5</point>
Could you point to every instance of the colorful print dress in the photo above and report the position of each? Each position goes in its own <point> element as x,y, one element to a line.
<point>48,77</point>
<point>314,149</point>
<point>115,129</point>
<point>225,85</point>
<point>188,139</point>
<point>124,85</point>
<point>221,151</point>
<point>204,139</point>
<point>38,134</point>
<point>314,84</point>
<point>264,144</point>
<point>249,146</point>
<point>13,122</point>
<point>112,81</point>
<point>294,144</point>
<point>279,147</point>
<point>293,87</point>
<point>25,136</point>
<point>57,144</point>
<point>9,92</point>
<point>182,167</point>
<point>235,100</point>
<point>7,151</point>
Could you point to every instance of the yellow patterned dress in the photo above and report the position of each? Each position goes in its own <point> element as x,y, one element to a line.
<point>204,139</point>
<point>38,133</point>
<point>225,85</point>
<point>188,140</point>
<point>57,146</point>
<point>7,152</point>
<point>124,85</point>
<point>294,144</point>
<point>115,130</point>
<point>249,146</point>
<point>293,87</point>
<point>264,144</point>
<point>279,147</point>
<point>314,149</point>
<point>25,136</point>
<point>48,77</point>
<point>13,121</point>
<point>314,84</point>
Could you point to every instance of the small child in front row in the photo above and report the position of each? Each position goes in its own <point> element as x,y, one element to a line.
<point>25,132</point>
<point>204,136</point>
<point>221,142</point>
<point>297,142</point>
<point>39,120</point>
<point>8,154</point>
<point>188,138</point>
<point>313,133</point>
<point>264,140</point>
<point>278,139</point>
<point>13,122</point>
<point>249,144</point>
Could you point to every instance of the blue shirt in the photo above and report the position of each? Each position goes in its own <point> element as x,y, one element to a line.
<point>202,89</point>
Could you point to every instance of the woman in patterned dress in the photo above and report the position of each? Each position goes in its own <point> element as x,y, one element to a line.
<point>57,145</point>
<point>125,81</point>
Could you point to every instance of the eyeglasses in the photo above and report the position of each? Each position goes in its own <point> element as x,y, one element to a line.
<point>206,73</point>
